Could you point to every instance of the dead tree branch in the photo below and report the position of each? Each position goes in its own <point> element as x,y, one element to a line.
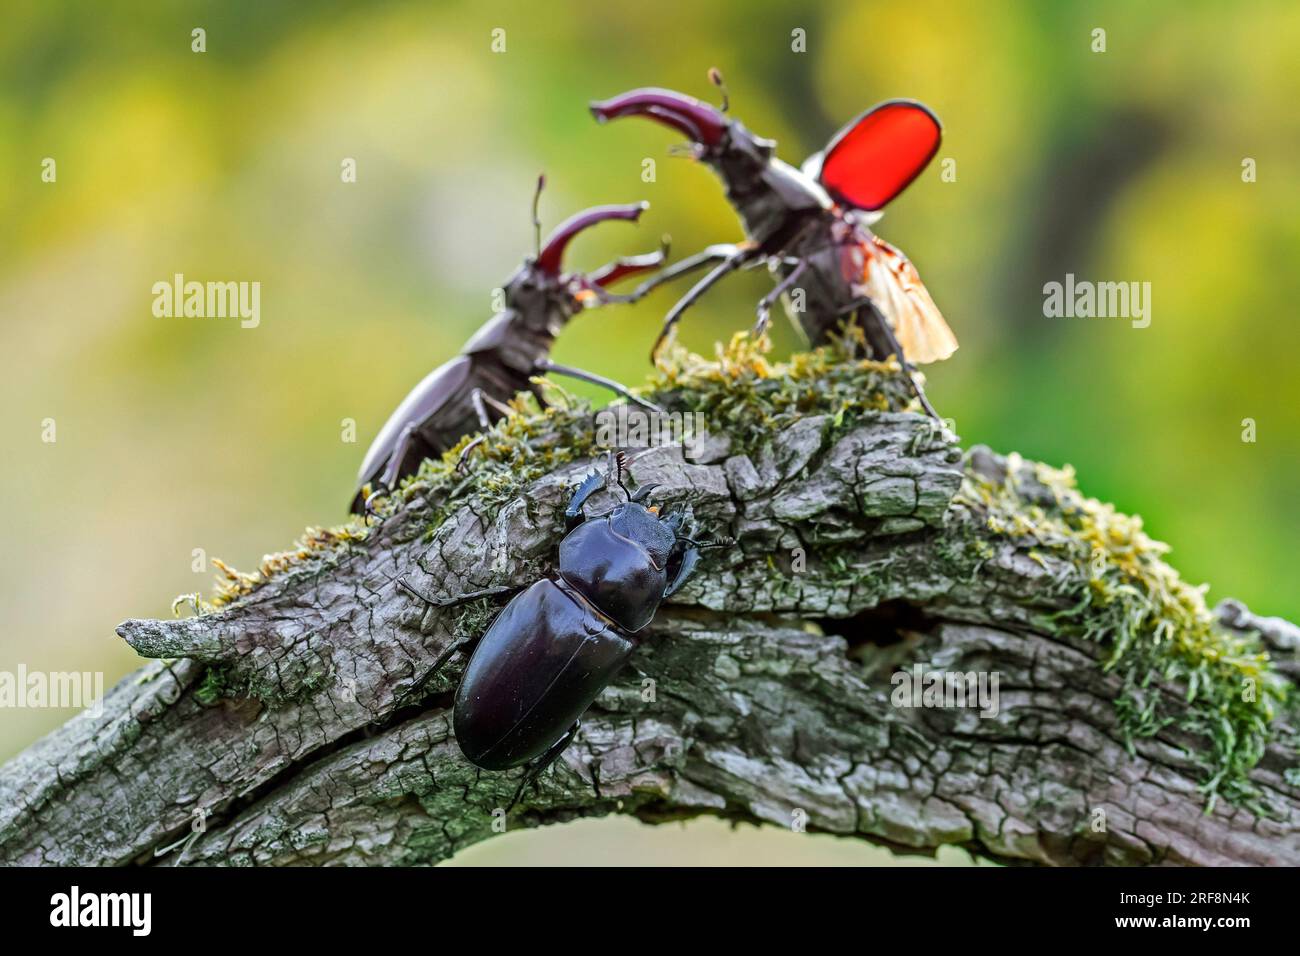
<point>305,723</point>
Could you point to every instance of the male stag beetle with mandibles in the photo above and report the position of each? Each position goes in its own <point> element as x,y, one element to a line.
<point>810,225</point>
<point>468,393</point>
<point>555,646</point>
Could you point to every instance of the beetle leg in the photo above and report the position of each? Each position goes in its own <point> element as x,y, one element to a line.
<point>908,368</point>
<point>409,588</point>
<point>416,690</point>
<point>728,265</point>
<point>690,264</point>
<point>765,303</point>
<point>605,297</point>
<point>535,768</point>
<point>573,513</point>
<point>476,399</point>
<point>480,400</point>
<point>388,477</point>
<point>546,365</point>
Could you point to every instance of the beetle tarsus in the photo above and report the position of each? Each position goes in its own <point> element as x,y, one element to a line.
<point>380,491</point>
<point>411,589</point>
<point>462,461</point>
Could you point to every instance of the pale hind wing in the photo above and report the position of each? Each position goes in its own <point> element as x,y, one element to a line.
<point>893,285</point>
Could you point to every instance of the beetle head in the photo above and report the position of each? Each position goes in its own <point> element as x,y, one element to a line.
<point>637,523</point>
<point>717,139</point>
<point>761,187</point>
<point>619,563</point>
<point>532,292</point>
<point>544,294</point>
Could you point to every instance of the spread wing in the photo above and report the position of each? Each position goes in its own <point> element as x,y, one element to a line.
<point>893,285</point>
<point>875,156</point>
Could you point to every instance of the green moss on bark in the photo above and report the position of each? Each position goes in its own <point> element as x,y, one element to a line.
<point>1156,629</point>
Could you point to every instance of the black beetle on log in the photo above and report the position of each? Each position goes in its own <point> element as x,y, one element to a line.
<point>556,645</point>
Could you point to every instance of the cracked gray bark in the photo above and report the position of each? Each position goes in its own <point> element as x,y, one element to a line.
<point>744,699</point>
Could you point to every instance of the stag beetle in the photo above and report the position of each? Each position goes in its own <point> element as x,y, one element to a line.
<point>466,394</point>
<point>555,646</point>
<point>810,226</point>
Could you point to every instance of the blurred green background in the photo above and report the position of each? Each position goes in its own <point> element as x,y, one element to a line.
<point>176,434</point>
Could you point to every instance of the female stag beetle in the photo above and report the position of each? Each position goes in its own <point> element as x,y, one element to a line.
<point>556,645</point>
<point>467,394</point>
<point>811,224</point>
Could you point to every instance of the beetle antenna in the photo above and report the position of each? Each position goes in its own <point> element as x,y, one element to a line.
<point>617,465</point>
<point>537,219</point>
<point>705,545</point>
<point>715,77</point>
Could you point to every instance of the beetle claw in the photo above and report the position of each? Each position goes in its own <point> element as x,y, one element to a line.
<point>381,491</point>
<point>643,493</point>
<point>462,463</point>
